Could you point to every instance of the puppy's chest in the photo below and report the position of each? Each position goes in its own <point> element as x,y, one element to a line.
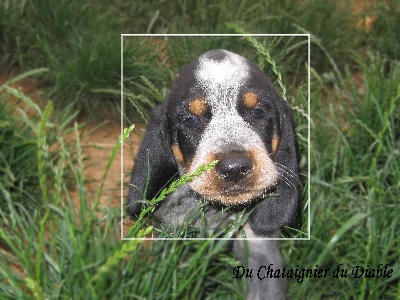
<point>184,208</point>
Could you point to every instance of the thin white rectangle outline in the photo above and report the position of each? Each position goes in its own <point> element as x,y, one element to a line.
<point>308,132</point>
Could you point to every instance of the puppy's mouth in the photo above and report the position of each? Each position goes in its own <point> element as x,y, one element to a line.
<point>234,192</point>
<point>233,196</point>
<point>237,192</point>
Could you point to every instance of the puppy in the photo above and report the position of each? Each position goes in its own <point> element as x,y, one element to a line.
<point>223,107</point>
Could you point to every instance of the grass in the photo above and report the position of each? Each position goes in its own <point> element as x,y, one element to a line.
<point>73,41</point>
<point>56,245</point>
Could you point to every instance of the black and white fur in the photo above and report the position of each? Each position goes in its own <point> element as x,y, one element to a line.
<point>222,107</point>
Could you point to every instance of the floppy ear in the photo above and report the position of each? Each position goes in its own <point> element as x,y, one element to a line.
<point>281,210</point>
<point>154,165</point>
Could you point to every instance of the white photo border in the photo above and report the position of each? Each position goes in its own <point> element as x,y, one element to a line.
<point>308,203</point>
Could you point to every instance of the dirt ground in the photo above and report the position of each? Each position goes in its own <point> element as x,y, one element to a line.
<point>98,147</point>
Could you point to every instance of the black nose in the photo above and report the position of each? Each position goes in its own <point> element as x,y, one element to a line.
<point>234,167</point>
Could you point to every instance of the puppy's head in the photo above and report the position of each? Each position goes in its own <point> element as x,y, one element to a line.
<point>222,107</point>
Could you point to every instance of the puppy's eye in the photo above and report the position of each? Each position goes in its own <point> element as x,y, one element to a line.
<point>257,113</point>
<point>191,121</point>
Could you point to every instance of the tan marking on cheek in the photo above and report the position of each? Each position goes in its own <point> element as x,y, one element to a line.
<point>198,106</point>
<point>264,171</point>
<point>276,140</point>
<point>250,100</point>
<point>177,153</point>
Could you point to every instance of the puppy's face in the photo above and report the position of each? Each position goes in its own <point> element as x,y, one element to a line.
<point>222,107</point>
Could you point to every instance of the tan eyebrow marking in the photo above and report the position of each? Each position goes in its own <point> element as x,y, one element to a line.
<point>250,100</point>
<point>198,106</point>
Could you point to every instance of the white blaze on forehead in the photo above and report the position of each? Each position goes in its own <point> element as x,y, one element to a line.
<point>229,69</point>
<point>221,80</point>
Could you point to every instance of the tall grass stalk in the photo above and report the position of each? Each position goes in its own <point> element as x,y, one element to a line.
<point>265,54</point>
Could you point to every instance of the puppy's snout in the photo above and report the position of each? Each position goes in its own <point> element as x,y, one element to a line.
<point>234,166</point>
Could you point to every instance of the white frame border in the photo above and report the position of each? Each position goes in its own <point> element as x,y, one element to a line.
<point>308,137</point>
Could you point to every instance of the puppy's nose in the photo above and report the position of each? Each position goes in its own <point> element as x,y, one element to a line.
<point>234,167</point>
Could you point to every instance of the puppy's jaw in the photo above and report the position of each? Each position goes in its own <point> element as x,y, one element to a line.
<point>221,81</point>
